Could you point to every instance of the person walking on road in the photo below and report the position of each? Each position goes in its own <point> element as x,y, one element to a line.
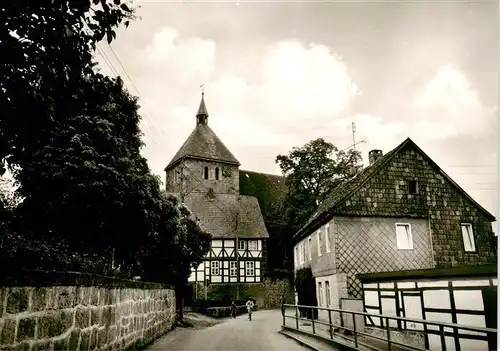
<point>233,310</point>
<point>249,305</point>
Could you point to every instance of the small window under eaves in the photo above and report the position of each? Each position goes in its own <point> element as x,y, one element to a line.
<point>412,187</point>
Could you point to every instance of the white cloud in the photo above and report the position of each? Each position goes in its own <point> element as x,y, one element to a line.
<point>295,93</point>
<point>178,60</point>
<point>307,79</point>
<point>293,90</point>
<point>448,106</point>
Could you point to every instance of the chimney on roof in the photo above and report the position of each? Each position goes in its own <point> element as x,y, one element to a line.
<point>374,155</point>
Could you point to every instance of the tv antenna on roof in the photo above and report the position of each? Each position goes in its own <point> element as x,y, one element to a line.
<point>354,143</point>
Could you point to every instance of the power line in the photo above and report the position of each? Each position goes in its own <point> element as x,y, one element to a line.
<point>472,166</point>
<point>110,65</point>
<point>476,173</point>
<point>146,119</point>
<point>107,61</point>
<point>134,86</point>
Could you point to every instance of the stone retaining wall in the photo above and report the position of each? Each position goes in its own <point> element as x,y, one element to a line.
<point>84,317</point>
<point>275,290</point>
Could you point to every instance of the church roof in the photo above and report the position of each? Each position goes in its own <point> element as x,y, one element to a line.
<point>269,189</point>
<point>203,143</point>
<point>227,215</point>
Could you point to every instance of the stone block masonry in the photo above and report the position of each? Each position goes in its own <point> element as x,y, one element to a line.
<point>84,317</point>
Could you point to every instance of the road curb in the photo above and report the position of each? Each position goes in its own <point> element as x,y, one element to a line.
<point>299,341</point>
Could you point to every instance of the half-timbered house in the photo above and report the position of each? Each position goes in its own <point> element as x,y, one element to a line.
<point>204,175</point>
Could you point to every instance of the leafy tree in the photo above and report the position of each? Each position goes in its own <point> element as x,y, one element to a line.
<point>311,171</point>
<point>86,189</point>
<point>87,184</point>
<point>177,247</point>
<point>47,49</point>
<point>8,199</point>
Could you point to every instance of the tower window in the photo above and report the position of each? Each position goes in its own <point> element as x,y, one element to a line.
<point>412,187</point>
<point>216,173</point>
<point>206,173</point>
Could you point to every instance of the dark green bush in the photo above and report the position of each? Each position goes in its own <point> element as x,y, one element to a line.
<point>306,290</point>
<point>275,274</point>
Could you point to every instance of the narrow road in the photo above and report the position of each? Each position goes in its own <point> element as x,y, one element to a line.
<point>261,333</point>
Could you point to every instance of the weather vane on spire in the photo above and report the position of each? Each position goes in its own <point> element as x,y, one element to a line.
<point>202,89</point>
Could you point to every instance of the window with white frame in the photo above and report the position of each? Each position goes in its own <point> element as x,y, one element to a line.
<point>318,235</point>
<point>252,245</point>
<point>250,268</point>
<point>306,243</point>
<point>297,263</point>
<point>309,248</point>
<point>404,239</point>
<point>301,259</point>
<point>468,237</point>
<point>320,294</point>
<point>241,245</point>
<point>303,251</point>
<point>327,237</point>
<point>327,291</point>
<point>233,268</point>
<point>215,268</point>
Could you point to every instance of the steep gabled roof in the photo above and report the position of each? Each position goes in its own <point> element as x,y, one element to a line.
<point>342,192</point>
<point>203,143</point>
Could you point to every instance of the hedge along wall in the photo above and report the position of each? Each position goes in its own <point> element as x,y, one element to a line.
<point>73,311</point>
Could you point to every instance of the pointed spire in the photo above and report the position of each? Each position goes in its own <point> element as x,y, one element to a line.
<point>202,115</point>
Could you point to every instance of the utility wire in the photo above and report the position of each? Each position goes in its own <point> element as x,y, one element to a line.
<point>466,166</point>
<point>112,68</point>
<point>133,85</point>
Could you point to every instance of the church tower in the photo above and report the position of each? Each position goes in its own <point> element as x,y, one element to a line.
<point>204,175</point>
<point>203,163</point>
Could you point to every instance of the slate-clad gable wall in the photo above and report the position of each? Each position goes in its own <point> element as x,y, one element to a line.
<point>385,194</point>
<point>193,172</point>
<point>369,245</point>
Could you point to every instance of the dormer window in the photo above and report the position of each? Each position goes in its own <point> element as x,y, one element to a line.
<point>412,186</point>
<point>205,173</point>
<point>216,173</point>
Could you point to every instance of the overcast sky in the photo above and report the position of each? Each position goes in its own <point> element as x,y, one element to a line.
<point>279,74</point>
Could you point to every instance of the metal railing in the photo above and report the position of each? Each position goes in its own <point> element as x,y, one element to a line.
<point>491,334</point>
